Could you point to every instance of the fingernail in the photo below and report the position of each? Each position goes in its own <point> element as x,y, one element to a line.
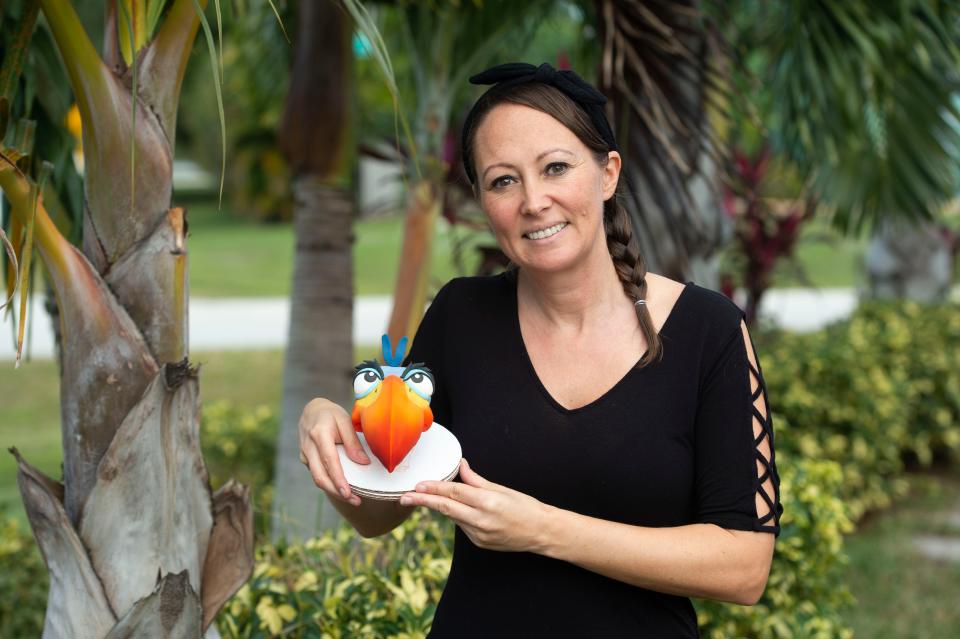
<point>344,492</point>
<point>404,501</point>
<point>420,488</point>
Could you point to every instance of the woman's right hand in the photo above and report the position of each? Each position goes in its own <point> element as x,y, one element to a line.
<point>323,425</point>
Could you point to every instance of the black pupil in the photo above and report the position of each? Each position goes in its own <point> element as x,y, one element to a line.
<point>370,376</point>
<point>417,378</point>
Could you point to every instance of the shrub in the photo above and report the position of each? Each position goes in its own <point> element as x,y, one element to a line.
<point>341,585</point>
<point>23,581</point>
<point>241,443</point>
<point>869,393</point>
<point>805,594</point>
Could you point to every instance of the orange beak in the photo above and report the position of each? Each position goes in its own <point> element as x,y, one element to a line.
<point>393,423</point>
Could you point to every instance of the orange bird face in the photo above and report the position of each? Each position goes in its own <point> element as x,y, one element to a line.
<point>392,405</point>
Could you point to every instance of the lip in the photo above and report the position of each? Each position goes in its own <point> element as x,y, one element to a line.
<point>526,234</point>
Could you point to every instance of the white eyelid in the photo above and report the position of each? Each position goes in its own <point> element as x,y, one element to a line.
<point>363,386</point>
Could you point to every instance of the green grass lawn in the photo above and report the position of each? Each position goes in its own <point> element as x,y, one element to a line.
<point>236,257</point>
<point>901,593</point>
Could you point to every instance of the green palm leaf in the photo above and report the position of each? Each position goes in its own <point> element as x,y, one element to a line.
<point>863,103</point>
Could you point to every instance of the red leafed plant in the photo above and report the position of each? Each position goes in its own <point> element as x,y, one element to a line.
<point>765,229</point>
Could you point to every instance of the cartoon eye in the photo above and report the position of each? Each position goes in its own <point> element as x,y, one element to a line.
<point>365,381</point>
<point>420,382</point>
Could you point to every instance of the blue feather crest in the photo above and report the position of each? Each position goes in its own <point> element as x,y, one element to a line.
<point>391,357</point>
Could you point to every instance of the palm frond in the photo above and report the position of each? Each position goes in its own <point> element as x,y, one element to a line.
<point>218,86</point>
<point>12,265</point>
<point>663,68</point>
<point>864,104</point>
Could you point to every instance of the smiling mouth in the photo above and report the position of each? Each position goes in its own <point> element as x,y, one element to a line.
<point>545,233</point>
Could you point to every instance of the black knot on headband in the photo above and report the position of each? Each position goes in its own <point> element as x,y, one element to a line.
<point>571,84</point>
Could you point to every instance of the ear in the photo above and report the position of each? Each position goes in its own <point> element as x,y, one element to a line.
<point>611,175</point>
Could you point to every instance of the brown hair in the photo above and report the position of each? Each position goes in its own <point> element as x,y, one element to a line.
<point>629,264</point>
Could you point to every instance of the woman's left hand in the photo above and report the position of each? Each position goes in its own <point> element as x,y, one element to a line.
<point>492,516</point>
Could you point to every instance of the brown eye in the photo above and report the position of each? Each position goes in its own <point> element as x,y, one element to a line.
<point>561,166</point>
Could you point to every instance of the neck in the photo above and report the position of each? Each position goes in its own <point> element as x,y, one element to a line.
<point>573,298</point>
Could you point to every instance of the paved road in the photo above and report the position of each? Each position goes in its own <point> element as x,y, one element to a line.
<point>261,323</point>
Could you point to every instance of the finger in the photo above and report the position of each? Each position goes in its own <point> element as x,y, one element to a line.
<point>303,459</point>
<point>348,435</point>
<point>471,478</point>
<point>330,461</point>
<point>317,471</point>
<point>459,512</point>
<point>463,493</point>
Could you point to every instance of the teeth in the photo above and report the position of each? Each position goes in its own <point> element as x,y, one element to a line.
<point>547,232</point>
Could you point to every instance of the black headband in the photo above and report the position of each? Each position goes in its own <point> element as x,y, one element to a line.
<point>572,85</point>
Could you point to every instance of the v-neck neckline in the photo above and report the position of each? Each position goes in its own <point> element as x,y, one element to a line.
<point>525,354</point>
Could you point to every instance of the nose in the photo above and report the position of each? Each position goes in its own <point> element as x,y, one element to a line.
<point>535,197</point>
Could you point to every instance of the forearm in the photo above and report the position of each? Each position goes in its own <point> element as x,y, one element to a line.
<point>696,560</point>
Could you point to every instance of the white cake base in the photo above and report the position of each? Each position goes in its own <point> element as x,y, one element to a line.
<point>435,457</point>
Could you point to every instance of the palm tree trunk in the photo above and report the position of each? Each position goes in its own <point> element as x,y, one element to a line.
<point>319,352</point>
<point>657,69</point>
<point>135,542</point>
<point>318,142</point>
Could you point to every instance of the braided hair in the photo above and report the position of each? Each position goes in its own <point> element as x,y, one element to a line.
<point>627,260</point>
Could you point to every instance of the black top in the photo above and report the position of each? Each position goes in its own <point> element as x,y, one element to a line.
<point>680,429</point>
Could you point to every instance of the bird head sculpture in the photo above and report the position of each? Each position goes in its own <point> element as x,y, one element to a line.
<point>392,404</point>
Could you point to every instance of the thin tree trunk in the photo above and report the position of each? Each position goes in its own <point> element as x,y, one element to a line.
<point>317,139</point>
<point>319,357</point>
<point>410,294</point>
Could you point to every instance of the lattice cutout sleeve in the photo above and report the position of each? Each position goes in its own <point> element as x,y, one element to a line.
<point>767,497</point>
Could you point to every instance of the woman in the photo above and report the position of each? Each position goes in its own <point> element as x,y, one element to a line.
<point>615,421</point>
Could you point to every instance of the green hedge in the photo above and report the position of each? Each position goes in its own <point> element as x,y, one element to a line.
<point>340,585</point>
<point>23,581</point>
<point>805,594</point>
<point>870,393</point>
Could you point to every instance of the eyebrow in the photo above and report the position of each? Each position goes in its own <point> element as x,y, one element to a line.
<point>369,363</point>
<point>539,157</point>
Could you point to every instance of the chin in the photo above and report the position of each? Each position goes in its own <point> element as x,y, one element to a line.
<point>554,262</point>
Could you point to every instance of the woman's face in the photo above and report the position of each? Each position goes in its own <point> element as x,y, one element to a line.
<point>541,188</point>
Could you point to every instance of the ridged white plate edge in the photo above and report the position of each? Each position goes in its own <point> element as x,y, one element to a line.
<point>435,457</point>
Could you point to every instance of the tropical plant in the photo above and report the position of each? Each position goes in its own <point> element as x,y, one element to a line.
<point>664,68</point>
<point>859,96</point>
<point>765,231</point>
<point>134,541</point>
<point>258,53</point>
